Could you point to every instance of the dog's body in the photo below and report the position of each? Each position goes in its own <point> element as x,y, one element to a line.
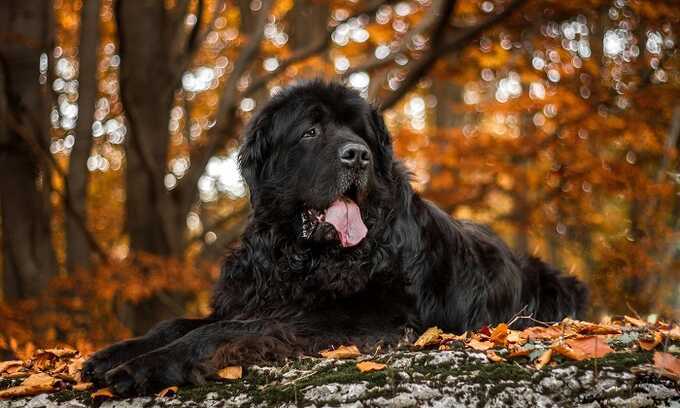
<point>339,249</point>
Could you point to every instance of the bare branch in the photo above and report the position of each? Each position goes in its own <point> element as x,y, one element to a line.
<point>457,42</point>
<point>437,17</point>
<point>312,50</point>
<point>226,112</point>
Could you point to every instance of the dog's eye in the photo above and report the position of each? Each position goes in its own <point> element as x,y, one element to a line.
<point>309,133</point>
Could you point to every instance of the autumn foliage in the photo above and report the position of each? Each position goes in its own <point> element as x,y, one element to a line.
<point>556,122</point>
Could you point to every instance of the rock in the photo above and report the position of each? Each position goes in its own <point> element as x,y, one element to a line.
<point>455,378</point>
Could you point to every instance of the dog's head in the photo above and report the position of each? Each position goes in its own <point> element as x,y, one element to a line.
<point>315,158</point>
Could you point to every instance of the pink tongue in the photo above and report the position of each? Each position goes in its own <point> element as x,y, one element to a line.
<point>345,216</point>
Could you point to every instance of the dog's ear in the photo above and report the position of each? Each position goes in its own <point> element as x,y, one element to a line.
<point>379,128</point>
<point>253,153</point>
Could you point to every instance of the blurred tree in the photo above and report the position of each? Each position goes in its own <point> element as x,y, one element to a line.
<point>78,248</point>
<point>26,42</point>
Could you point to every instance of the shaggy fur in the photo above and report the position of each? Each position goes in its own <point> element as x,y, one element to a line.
<point>291,288</point>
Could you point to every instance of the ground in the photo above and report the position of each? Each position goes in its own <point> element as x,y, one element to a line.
<point>453,378</point>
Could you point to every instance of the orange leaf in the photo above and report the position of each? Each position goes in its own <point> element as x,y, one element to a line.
<point>10,365</point>
<point>430,337</point>
<point>667,364</point>
<point>367,366</point>
<point>342,352</point>
<point>491,355</point>
<point>544,359</point>
<point>499,335</point>
<point>568,352</point>
<point>104,393</point>
<point>591,346</point>
<point>480,345</point>
<point>519,352</point>
<point>635,322</point>
<point>168,392</point>
<point>230,373</point>
<point>515,336</point>
<point>83,386</point>
<point>541,333</point>
<point>649,344</point>
<point>673,333</point>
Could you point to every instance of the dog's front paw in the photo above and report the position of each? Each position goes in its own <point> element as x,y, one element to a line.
<point>95,368</point>
<point>152,372</point>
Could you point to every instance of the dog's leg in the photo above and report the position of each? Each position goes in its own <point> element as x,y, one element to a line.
<point>165,332</point>
<point>188,359</point>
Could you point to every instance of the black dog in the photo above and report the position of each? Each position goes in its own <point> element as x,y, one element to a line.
<point>339,249</point>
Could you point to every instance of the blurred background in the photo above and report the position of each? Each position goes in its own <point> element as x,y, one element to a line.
<point>556,122</point>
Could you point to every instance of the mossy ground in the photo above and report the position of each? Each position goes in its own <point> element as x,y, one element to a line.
<point>272,387</point>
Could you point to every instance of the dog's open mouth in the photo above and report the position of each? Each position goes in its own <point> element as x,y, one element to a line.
<point>343,215</point>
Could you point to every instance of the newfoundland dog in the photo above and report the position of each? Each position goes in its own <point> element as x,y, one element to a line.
<point>339,249</point>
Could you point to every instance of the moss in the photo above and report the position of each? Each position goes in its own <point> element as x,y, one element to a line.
<point>68,395</point>
<point>616,361</point>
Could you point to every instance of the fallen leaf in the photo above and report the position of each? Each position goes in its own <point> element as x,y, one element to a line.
<point>453,337</point>
<point>568,352</point>
<point>10,366</point>
<point>168,392</point>
<point>499,335</point>
<point>83,386</point>
<point>519,352</point>
<point>341,352</point>
<point>649,343</point>
<point>230,373</point>
<point>591,346</point>
<point>33,385</point>
<point>430,337</point>
<point>673,334</point>
<point>480,345</point>
<point>40,379</point>
<point>544,359</point>
<point>104,393</point>
<point>515,336</point>
<point>368,366</point>
<point>25,391</point>
<point>491,355</point>
<point>58,352</point>
<point>667,364</point>
<point>634,321</point>
<point>541,333</point>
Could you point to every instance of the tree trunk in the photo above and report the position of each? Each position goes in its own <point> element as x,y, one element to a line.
<point>147,89</point>
<point>29,260</point>
<point>78,249</point>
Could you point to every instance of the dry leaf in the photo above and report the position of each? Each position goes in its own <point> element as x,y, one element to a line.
<point>40,379</point>
<point>541,333</point>
<point>650,343</point>
<point>480,345</point>
<point>168,392</point>
<point>368,366</point>
<point>10,366</point>
<point>544,359</point>
<point>515,336</point>
<point>592,346</point>
<point>568,352</point>
<point>104,393</point>
<point>25,391</point>
<point>58,352</point>
<point>635,322</point>
<point>491,355</point>
<point>667,364</point>
<point>83,386</point>
<point>519,352</point>
<point>499,334</point>
<point>453,337</point>
<point>430,337</point>
<point>342,352</point>
<point>673,334</point>
<point>230,373</point>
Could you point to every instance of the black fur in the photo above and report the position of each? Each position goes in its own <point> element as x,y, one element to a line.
<point>280,294</point>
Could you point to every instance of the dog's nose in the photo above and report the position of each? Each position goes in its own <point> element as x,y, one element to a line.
<point>355,155</point>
